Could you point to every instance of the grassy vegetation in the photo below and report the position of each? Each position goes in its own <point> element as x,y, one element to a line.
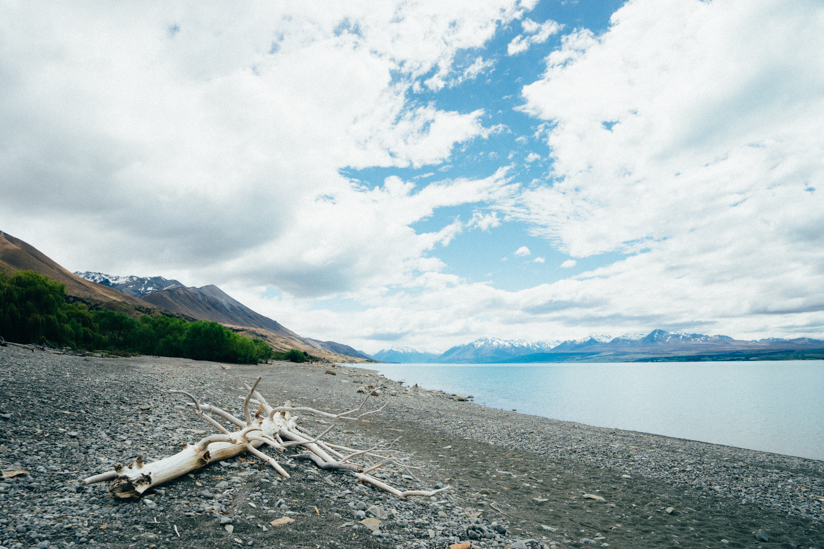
<point>295,355</point>
<point>34,309</point>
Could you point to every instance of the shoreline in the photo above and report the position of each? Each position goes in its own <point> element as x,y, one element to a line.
<point>528,475</point>
<point>482,399</point>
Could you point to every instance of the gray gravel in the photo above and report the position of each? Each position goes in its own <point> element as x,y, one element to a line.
<point>63,418</point>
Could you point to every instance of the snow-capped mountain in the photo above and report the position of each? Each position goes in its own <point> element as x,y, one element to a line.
<point>403,355</point>
<point>491,349</point>
<point>136,286</point>
<point>656,345</point>
<point>662,336</point>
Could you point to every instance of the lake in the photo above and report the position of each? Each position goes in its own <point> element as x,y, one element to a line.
<point>772,406</point>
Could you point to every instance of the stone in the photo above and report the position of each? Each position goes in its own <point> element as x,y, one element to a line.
<point>518,545</point>
<point>225,520</point>
<point>372,523</point>
<point>587,541</point>
<point>464,545</point>
<point>761,535</point>
<point>670,511</point>
<point>149,503</point>
<point>548,528</point>
<point>594,497</point>
<point>281,521</point>
<point>229,528</point>
<point>377,512</point>
<point>540,501</point>
<point>331,372</point>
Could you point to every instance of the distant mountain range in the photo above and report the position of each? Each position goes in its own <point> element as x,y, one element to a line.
<point>490,349</point>
<point>135,296</point>
<point>403,355</point>
<point>658,345</point>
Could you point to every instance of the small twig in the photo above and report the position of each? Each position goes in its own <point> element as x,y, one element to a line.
<point>312,441</point>
<point>496,508</point>
<point>587,525</point>
<point>271,461</point>
<point>197,404</point>
<point>246,402</point>
<point>377,466</point>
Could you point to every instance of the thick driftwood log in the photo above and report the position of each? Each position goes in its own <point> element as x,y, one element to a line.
<point>272,426</point>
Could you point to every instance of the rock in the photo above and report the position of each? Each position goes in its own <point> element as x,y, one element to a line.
<point>761,535</point>
<point>363,389</point>
<point>594,497</point>
<point>464,545</point>
<point>549,528</point>
<point>670,511</point>
<point>540,501</point>
<point>229,528</point>
<point>587,541</point>
<point>725,542</point>
<point>518,545</point>
<point>331,372</point>
<point>149,503</point>
<point>377,512</point>
<point>372,523</point>
<point>361,506</point>
<point>281,521</point>
<point>225,520</point>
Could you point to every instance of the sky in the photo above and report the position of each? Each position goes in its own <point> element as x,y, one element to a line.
<point>427,173</point>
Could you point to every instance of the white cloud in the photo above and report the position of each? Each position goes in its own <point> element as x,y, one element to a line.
<point>523,251</point>
<point>484,221</point>
<point>568,264</point>
<point>690,133</point>
<point>196,149</point>
<point>534,33</point>
<point>539,260</point>
<point>532,157</point>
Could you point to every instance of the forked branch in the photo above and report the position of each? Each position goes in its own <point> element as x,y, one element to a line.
<point>274,426</point>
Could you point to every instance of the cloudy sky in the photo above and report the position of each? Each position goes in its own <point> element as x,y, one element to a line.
<point>425,173</point>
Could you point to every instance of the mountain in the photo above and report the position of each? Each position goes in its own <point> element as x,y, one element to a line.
<point>207,303</point>
<point>16,255</point>
<point>493,350</point>
<point>403,355</point>
<point>132,285</point>
<point>212,303</point>
<point>661,345</point>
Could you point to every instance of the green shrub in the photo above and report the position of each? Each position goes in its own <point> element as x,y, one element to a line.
<point>33,309</point>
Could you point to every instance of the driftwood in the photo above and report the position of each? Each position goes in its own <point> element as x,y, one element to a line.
<point>270,426</point>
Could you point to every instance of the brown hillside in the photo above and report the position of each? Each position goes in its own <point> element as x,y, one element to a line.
<point>16,255</point>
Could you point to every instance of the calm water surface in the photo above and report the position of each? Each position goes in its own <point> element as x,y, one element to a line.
<point>769,406</point>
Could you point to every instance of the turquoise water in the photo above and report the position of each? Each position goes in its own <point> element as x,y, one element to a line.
<point>769,406</point>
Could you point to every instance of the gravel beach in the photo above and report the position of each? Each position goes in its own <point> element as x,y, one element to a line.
<point>515,481</point>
